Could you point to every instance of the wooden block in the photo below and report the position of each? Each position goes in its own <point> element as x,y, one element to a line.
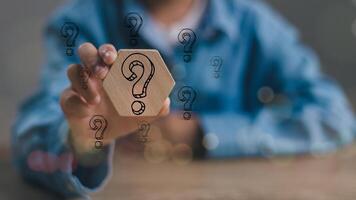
<point>138,82</point>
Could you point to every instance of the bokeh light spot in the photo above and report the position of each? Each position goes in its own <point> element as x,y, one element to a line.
<point>157,152</point>
<point>265,94</point>
<point>210,141</point>
<point>182,154</point>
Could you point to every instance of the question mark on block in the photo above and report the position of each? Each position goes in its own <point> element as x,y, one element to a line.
<point>69,32</point>
<point>187,38</point>
<point>139,88</point>
<point>138,83</point>
<point>216,62</point>
<point>99,124</point>
<point>133,22</point>
<point>187,95</point>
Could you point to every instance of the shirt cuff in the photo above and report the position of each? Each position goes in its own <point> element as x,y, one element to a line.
<point>225,135</point>
<point>87,179</point>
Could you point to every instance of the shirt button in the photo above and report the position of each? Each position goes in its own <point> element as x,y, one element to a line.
<point>211,33</point>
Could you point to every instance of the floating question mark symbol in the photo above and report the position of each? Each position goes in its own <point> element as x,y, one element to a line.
<point>216,62</point>
<point>187,95</point>
<point>84,74</point>
<point>144,128</point>
<point>70,32</point>
<point>187,37</point>
<point>133,22</point>
<point>98,124</point>
<point>139,88</point>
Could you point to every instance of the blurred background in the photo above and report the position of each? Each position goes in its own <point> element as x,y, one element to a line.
<point>328,26</point>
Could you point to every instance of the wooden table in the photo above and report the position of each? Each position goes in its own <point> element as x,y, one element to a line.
<point>330,177</point>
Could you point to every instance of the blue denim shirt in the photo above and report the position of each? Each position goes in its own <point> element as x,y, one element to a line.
<point>267,98</point>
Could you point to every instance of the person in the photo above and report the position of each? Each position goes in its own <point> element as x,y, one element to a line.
<point>269,97</point>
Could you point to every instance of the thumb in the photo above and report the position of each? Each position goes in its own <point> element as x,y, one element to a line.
<point>165,108</point>
<point>162,113</point>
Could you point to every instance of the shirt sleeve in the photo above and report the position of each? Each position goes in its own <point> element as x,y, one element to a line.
<point>40,134</point>
<point>308,114</point>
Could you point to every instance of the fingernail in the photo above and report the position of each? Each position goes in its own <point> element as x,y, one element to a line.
<point>109,55</point>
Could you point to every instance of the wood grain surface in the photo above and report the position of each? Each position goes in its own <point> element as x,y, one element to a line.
<point>329,177</point>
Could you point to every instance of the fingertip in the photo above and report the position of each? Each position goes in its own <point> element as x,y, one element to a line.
<point>76,71</point>
<point>71,71</point>
<point>88,55</point>
<point>108,53</point>
<point>167,102</point>
<point>165,108</point>
<point>85,46</point>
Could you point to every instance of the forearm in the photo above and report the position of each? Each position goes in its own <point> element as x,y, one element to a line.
<point>42,153</point>
<point>279,131</point>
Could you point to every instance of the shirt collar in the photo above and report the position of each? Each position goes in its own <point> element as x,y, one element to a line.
<point>149,30</point>
<point>220,18</point>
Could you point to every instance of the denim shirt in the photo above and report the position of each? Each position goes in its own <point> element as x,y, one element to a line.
<point>267,97</point>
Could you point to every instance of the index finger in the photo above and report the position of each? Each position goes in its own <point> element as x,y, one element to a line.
<point>89,56</point>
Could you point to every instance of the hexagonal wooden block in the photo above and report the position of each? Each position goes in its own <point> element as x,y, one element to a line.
<point>138,82</point>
